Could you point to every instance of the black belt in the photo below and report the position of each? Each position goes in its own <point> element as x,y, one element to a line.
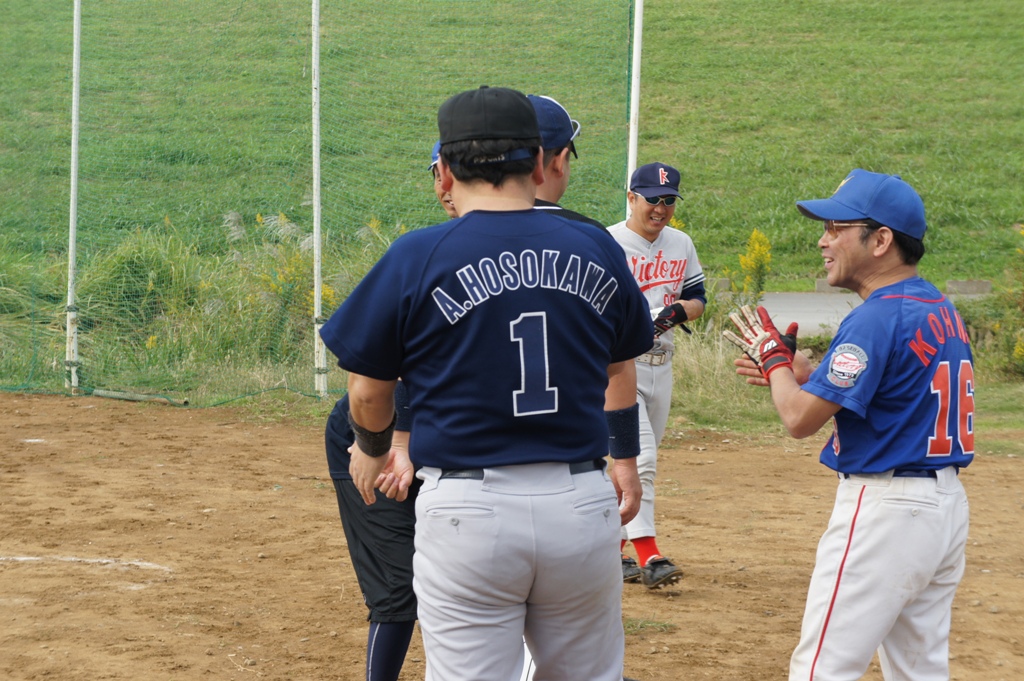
<point>478,473</point>
<point>903,473</point>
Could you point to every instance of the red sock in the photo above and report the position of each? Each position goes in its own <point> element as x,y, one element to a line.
<point>646,548</point>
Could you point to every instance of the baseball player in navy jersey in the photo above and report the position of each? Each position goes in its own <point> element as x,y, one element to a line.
<point>664,263</point>
<point>897,383</point>
<point>558,132</point>
<point>380,536</point>
<point>380,545</point>
<point>513,408</point>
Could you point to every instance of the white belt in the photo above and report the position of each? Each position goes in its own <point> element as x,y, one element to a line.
<point>655,359</point>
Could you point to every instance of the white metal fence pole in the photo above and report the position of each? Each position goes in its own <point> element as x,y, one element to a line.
<point>634,90</point>
<point>71,342</point>
<point>319,350</point>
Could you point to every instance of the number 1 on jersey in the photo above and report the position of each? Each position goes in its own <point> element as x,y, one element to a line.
<point>535,396</point>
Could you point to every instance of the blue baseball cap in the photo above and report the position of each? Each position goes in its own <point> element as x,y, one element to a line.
<point>557,128</point>
<point>435,155</point>
<point>654,180</point>
<point>884,198</point>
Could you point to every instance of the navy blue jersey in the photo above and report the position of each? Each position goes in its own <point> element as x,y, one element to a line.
<point>555,209</point>
<point>502,326</point>
<point>901,368</point>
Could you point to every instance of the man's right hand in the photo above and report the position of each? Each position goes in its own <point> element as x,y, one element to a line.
<point>626,479</point>
<point>397,476</point>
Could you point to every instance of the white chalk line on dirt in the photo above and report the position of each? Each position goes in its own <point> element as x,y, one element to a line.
<point>90,561</point>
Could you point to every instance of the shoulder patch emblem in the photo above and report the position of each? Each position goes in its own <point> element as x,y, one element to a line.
<point>847,364</point>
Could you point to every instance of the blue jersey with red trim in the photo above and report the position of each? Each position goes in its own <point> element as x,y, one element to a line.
<point>901,367</point>
<point>502,326</point>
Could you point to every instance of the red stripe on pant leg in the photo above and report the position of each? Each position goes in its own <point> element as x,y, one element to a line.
<point>839,577</point>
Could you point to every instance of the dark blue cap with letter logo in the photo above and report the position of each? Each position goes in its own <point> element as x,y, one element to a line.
<point>654,180</point>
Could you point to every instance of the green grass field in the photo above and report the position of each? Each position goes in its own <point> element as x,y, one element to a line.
<point>762,104</point>
<point>758,104</point>
<point>193,270</point>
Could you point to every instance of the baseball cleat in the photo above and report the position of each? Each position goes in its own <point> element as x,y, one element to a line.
<point>630,570</point>
<point>659,572</point>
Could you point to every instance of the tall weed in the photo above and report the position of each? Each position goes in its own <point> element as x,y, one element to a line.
<point>996,322</point>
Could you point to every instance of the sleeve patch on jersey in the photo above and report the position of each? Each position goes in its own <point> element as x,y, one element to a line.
<point>847,364</point>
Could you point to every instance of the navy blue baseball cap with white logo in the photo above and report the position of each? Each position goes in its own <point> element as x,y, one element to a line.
<point>884,198</point>
<point>557,128</point>
<point>654,180</point>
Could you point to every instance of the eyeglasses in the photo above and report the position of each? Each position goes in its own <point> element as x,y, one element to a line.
<point>832,227</point>
<point>667,200</point>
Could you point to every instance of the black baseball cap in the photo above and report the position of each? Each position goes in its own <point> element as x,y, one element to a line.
<point>488,113</point>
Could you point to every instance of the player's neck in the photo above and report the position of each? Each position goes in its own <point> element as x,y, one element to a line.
<point>513,194</point>
<point>546,195</point>
<point>641,229</point>
<point>553,188</point>
<point>884,277</point>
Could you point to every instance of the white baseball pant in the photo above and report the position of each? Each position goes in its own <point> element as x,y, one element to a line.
<point>529,550</point>
<point>654,395</point>
<point>884,578</point>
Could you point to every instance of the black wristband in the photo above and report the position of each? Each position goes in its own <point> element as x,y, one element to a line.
<point>403,413</point>
<point>371,443</point>
<point>624,432</point>
<point>774,362</point>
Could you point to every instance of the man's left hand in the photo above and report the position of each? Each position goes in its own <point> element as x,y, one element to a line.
<point>671,316</point>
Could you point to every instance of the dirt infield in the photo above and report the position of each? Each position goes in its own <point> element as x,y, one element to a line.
<point>140,541</point>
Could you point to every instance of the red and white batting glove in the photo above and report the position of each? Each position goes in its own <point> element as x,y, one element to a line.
<point>761,340</point>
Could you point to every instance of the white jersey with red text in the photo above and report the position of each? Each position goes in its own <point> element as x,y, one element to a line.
<point>663,269</point>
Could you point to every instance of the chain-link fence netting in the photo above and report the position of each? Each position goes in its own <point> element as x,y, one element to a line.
<point>194,248</point>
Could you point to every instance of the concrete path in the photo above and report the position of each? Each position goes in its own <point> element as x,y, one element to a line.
<point>817,313</point>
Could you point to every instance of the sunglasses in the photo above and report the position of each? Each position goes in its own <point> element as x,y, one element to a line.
<point>667,200</point>
<point>832,227</point>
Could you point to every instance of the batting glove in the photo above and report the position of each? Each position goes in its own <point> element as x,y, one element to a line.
<point>761,340</point>
<point>671,316</point>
